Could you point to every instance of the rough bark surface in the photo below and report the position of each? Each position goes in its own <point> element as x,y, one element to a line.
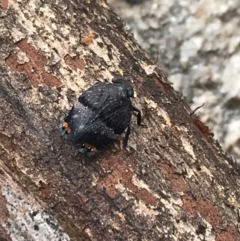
<point>175,183</point>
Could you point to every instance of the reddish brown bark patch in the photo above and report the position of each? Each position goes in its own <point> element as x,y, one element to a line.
<point>142,193</point>
<point>119,172</point>
<point>227,235</point>
<point>161,84</point>
<point>45,189</point>
<point>74,63</point>
<point>4,4</point>
<point>202,128</point>
<point>203,207</point>
<point>35,68</point>
<point>178,183</point>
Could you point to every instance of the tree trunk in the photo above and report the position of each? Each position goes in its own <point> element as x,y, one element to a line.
<point>174,183</point>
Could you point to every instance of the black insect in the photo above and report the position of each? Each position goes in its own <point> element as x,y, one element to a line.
<point>100,115</point>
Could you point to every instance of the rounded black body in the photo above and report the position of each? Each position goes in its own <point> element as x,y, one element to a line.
<point>100,115</point>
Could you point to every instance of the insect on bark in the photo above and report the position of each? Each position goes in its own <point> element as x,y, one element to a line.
<point>100,115</point>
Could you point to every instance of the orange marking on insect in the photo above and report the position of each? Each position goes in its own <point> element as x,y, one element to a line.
<point>87,145</point>
<point>67,127</point>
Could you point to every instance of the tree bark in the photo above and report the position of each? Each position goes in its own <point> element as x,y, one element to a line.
<point>174,183</point>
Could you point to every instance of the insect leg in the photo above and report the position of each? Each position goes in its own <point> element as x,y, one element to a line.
<point>139,117</point>
<point>125,140</point>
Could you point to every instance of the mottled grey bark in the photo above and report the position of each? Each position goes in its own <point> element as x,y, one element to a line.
<point>175,183</point>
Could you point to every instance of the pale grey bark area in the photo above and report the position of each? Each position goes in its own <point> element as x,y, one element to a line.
<point>174,183</point>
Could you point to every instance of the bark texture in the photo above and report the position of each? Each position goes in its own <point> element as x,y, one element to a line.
<point>175,183</point>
